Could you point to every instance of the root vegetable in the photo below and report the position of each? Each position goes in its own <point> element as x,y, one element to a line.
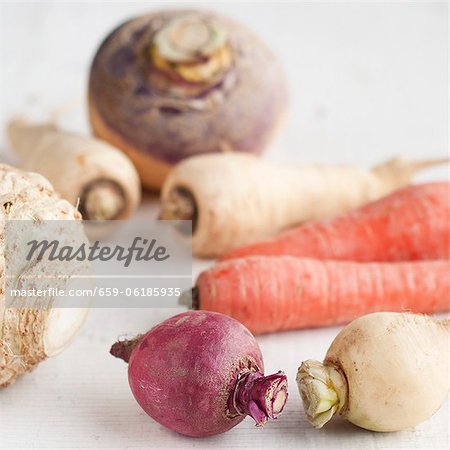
<point>235,199</point>
<point>270,294</point>
<point>172,84</point>
<point>200,374</point>
<point>383,372</point>
<point>409,224</point>
<point>28,335</point>
<point>80,168</point>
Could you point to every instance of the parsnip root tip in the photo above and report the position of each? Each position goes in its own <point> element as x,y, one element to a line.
<point>403,169</point>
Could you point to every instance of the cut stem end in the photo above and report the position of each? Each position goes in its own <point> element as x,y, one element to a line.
<point>102,200</point>
<point>323,390</point>
<point>193,47</point>
<point>261,397</point>
<point>180,205</point>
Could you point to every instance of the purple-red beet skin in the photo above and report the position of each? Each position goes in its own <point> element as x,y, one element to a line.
<point>200,373</point>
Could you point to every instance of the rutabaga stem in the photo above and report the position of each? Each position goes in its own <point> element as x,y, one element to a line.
<point>261,397</point>
<point>123,349</point>
<point>323,390</point>
<point>193,47</point>
<point>102,200</point>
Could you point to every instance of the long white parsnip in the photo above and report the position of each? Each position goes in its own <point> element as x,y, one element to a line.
<point>29,335</point>
<point>234,199</point>
<point>383,372</point>
<point>80,168</point>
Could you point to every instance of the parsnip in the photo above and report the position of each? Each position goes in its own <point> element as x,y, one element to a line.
<point>383,372</point>
<point>235,199</point>
<point>29,335</point>
<point>80,168</point>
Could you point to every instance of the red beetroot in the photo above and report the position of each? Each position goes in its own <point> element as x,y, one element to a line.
<point>200,373</point>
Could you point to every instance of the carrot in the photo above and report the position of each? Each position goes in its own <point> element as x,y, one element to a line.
<point>409,224</point>
<point>269,294</point>
<point>236,199</point>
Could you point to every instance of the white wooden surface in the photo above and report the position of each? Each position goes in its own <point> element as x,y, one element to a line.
<point>367,81</point>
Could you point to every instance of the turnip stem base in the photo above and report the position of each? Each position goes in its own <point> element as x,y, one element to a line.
<point>323,390</point>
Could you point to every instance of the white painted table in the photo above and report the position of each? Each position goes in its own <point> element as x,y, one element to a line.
<point>367,81</point>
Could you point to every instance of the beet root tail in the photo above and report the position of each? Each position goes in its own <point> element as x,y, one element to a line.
<point>123,349</point>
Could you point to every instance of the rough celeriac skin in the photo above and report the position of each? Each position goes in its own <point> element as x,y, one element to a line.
<point>159,113</point>
<point>240,199</point>
<point>395,368</point>
<point>28,196</point>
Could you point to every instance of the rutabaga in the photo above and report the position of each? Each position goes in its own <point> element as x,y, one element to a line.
<point>175,83</point>
<point>383,372</point>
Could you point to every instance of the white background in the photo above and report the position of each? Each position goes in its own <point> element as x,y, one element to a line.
<point>368,80</point>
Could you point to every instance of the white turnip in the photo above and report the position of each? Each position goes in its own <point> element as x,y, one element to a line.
<point>383,372</point>
<point>200,373</point>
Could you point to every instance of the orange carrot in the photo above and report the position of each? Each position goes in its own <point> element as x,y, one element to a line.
<point>410,224</point>
<point>269,294</point>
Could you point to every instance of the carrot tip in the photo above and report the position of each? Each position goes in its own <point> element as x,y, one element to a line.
<point>190,298</point>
